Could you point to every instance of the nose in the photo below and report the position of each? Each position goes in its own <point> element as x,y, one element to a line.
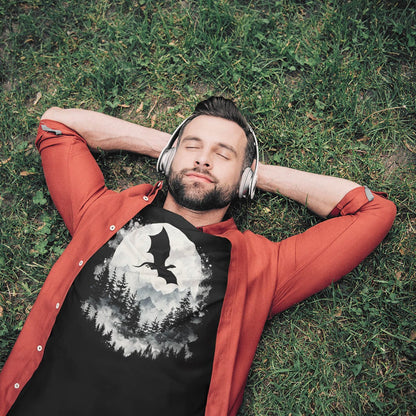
<point>203,160</point>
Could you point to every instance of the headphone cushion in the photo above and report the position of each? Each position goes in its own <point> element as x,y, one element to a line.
<point>245,182</point>
<point>165,160</point>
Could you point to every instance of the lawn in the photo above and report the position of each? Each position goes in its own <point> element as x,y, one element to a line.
<point>328,86</point>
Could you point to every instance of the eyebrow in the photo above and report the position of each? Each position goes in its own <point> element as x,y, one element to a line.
<point>220,144</point>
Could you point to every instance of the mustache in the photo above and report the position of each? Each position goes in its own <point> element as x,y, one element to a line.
<point>201,171</point>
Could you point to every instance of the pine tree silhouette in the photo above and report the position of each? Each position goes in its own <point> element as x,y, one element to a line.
<point>111,288</point>
<point>148,352</point>
<point>168,322</point>
<point>120,292</point>
<point>130,301</point>
<point>133,320</point>
<point>145,329</point>
<point>184,311</point>
<point>99,286</point>
<point>94,319</point>
<point>155,326</point>
<point>86,311</point>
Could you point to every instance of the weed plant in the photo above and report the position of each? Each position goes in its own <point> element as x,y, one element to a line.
<point>329,87</point>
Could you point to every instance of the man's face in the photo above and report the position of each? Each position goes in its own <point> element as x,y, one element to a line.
<point>206,170</point>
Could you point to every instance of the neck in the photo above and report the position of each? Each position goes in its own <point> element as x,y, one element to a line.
<point>196,218</point>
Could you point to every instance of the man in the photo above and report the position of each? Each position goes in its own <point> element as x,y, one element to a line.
<point>158,303</point>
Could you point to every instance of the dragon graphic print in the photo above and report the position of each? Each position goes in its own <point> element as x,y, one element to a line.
<point>149,296</point>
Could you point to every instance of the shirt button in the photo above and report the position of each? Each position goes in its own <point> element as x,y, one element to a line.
<point>39,348</point>
<point>145,198</point>
<point>80,263</point>
<point>57,305</point>
<point>112,227</point>
<point>17,386</point>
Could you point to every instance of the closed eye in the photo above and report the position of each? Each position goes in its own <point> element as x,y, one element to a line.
<point>191,143</point>
<point>224,156</point>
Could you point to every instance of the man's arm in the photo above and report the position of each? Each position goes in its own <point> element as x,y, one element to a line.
<point>319,193</point>
<point>310,261</point>
<point>105,132</point>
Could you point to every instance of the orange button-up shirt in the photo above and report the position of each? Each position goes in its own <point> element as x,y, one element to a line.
<point>264,277</point>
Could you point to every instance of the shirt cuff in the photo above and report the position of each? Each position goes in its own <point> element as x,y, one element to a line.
<point>354,200</point>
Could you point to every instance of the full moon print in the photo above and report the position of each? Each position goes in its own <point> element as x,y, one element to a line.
<point>150,295</point>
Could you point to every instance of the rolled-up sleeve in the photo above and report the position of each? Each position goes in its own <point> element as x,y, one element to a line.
<point>72,175</point>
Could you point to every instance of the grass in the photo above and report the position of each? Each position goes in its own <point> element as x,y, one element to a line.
<point>329,88</point>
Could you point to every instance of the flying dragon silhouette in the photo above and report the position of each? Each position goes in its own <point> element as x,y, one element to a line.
<point>158,245</point>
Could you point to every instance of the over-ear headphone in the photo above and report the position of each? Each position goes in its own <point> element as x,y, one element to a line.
<point>248,178</point>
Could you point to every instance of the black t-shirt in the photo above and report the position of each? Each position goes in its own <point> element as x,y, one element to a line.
<point>136,334</point>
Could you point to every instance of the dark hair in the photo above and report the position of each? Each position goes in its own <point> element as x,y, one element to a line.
<point>225,108</point>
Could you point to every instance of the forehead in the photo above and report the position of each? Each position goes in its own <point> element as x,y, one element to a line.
<point>215,130</point>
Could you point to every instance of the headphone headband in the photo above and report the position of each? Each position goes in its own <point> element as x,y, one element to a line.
<point>248,178</point>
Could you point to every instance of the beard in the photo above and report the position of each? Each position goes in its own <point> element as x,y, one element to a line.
<point>193,196</point>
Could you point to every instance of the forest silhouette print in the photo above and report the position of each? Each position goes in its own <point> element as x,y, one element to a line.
<point>134,308</point>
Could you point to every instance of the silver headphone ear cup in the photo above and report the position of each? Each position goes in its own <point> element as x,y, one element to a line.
<point>166,160</point>
<point>245,183</point>
<point>166,155</point>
